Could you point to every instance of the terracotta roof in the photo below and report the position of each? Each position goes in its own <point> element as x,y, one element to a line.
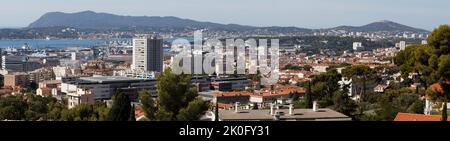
<point>225,105</point>
<point>229,94</point>
<point>279,90</point>
<point>416,117</point>
<point>437,87</point>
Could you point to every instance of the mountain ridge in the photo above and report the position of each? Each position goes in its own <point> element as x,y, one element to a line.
<point>383,25</point>
<point>97,20</point>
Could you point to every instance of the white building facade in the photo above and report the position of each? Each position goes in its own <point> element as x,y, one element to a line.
<point>91,89</point>
<point>147,54</point>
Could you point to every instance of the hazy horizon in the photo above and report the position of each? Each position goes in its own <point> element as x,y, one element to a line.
<point>299,13</point>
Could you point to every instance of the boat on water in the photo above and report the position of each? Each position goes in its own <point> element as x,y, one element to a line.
<point>10,49</point>
<point>25,46</point>
<point>48,38</point>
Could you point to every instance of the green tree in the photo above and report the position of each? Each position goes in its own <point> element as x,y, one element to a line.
<point>175,92</point>
<point>195,109</point>
<point>163,115</point>
<point>417,107</point>
<point>418,59</point>
<point>307,67</point>
<point>343,103</point>
<point>101,111</point>
<point>359,73</point>
<point>148,104</point>
<point>430,61</point>
<point>394,101</point>
<point>443,69</point>
<point>84,112</point>
<point>291,67</point>
<point>439,39</point>
<point>121,108</point>
<point>12,108</point>
<point>308,97</point>
<point>81,112</point>
<point>38,107</point>
<point>55,111</point>
<point>324,85</point>
<point>177,99</point>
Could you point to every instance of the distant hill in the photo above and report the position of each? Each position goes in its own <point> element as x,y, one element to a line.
<point>93,20</point>
<point>90,19</point>
<point>105,21</point>
<point>383,25</point>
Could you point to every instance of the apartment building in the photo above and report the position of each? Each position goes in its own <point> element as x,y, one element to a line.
<point>89,89</point>
<point>16,80</point>
<point>147,54</point>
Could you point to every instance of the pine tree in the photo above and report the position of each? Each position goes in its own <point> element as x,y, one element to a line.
<point>175,93</point>
<point>194,111</point>
<point>121,108</point>
<point>147,104</point>
<point>308,99</point>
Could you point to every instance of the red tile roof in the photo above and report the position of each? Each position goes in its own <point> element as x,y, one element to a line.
<point>416,117</point>
<point>231,94</point>
<point>225,105</point>
<point>279,90</point>
<point>437,87</point>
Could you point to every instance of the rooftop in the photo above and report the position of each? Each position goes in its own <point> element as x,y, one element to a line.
<point>228,94</point>
<point>438,87</point>
<point>51,81</point>
<point>108,79</point>
<point>298,115</point>
<point>228,79</point>
<point>416,117</point>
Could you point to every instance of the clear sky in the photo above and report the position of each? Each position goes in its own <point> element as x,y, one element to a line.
<point>425,14</point>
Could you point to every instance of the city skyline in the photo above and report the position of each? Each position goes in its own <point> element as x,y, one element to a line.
<point>316,14</point>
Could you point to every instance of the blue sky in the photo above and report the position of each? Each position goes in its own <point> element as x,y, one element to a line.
<point>425,14</point>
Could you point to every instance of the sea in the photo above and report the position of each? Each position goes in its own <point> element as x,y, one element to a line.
<point>68,43</point>
<point>59,43</point>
